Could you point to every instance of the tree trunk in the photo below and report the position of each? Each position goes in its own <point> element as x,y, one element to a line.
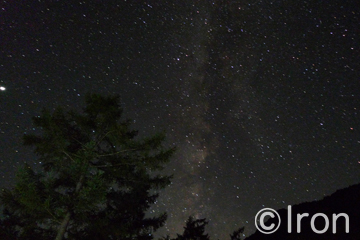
<point>66,220</point>
<point>63,227</point>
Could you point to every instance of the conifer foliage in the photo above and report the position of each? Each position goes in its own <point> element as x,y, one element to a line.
<point>194,230</point>
<point>97,182</point>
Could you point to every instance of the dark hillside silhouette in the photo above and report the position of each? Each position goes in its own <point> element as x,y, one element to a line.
<point>342,201</point>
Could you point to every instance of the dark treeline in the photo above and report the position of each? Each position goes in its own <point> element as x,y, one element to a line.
<point>97,179</point>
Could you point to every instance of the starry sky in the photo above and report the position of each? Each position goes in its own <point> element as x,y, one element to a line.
<point>260,97</point>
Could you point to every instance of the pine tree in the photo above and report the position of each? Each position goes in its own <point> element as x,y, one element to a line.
<point>194,230</point>
<point>97,179</point>
<point>236,235</point>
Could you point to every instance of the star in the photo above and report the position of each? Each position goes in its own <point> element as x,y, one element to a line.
<point>245,91</point>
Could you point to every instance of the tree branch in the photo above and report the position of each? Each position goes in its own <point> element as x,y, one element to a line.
<point>118,152</point>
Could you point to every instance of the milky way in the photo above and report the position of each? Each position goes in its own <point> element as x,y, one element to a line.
<point>261,98</point>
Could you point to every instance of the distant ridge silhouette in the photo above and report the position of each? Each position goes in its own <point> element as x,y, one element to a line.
<point>346,200</point>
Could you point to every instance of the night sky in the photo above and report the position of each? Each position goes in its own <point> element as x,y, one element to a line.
<point>260,97</point>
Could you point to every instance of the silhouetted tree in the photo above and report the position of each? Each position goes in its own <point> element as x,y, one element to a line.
<point>98,179</point>
<point>236,235</point>
<point>194,230</point>
<point>167,237</point>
